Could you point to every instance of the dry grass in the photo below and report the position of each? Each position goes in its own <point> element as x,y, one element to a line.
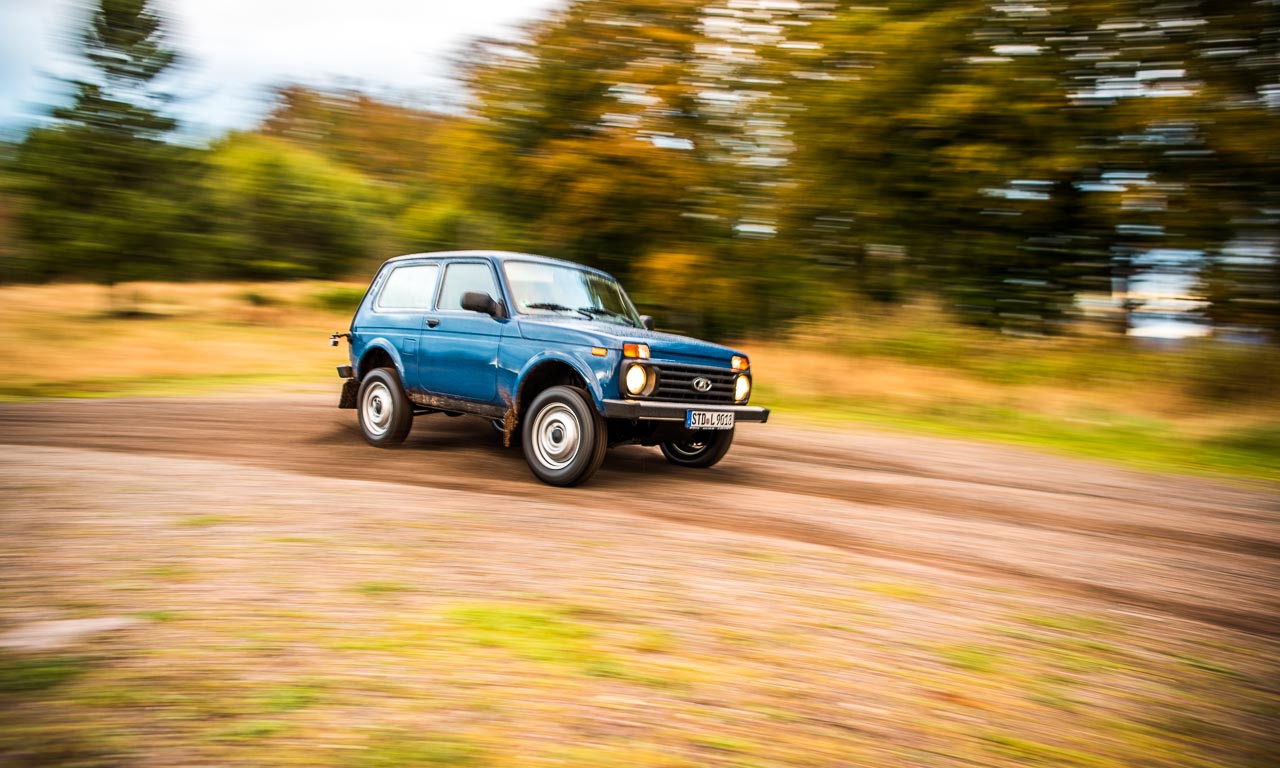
<point>1197,407</point>
<point>66,339</point>
<point>912,369</point>
<point>806,375</point>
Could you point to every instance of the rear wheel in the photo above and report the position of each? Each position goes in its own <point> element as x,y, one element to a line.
<point>563,437</point>
<point>384,412</point>
<point>700,449</point>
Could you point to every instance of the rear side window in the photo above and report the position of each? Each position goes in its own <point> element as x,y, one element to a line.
<point>412,286</point>
<point>467,276</point>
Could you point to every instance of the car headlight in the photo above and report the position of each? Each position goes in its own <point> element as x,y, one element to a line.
<point>742,388</point>
<point>636,379</point>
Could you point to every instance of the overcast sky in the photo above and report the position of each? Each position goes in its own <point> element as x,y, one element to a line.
<point>236,48</point>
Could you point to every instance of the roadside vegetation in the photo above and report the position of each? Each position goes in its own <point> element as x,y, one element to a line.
<point>1195,406</point>
<point>723,160</point>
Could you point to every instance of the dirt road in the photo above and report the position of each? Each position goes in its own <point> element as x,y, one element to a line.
<point>242,582</point>
<point>1182,547</point>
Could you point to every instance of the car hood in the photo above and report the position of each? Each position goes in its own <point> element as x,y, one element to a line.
<point>662,346</point>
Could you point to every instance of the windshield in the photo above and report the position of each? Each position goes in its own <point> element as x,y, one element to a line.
<point>557,289</point>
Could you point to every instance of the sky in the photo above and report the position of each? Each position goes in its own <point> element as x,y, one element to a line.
<point>236,49</point>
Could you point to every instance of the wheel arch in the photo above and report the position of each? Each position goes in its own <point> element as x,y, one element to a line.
<point>548,371</point>
<point>379,354</point>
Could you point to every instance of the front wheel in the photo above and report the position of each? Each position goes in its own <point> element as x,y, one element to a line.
<point>563,437</point>
<point>701,449</point>
<point>382,408</point>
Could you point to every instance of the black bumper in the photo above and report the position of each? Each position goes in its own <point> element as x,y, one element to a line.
<point>634,409</point>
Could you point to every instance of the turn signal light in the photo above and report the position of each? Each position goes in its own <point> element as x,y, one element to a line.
<point>740,363</point>
<point>640,351</point>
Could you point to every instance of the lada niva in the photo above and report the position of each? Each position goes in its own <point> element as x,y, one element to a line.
<point>552,352</point>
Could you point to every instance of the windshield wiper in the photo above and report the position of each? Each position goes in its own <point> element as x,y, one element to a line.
<point>593,311</point>
<point>558,308</point>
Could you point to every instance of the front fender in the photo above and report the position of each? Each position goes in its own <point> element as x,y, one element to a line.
<point>595,371</point>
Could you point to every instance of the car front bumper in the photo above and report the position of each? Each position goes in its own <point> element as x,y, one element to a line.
<point>653,411</point>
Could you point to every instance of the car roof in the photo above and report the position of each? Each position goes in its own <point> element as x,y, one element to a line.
<point>496,256</point>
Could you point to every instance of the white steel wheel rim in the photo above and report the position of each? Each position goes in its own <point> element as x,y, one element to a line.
<point>377,409</point>
<point>557,436</point>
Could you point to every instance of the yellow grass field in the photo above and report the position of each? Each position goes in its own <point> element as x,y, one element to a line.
<point>912,370</point>
<point>63,340</point>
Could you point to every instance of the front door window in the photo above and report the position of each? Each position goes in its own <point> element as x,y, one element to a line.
<point>460,278</point>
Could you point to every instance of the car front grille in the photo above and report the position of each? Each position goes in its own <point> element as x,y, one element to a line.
<point>675,383</point>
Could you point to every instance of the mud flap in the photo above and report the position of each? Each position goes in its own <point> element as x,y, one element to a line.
<point>350,389</point>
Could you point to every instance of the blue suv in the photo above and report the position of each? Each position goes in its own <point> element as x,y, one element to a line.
<point>552,352</point>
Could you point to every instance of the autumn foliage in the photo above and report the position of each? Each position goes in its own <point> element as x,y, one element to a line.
<point>738,164</point>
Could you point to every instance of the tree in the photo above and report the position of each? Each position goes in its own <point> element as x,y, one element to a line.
<point>394,143</point>
<point>594,121</point>
<point>281,211</point>
<point>102,180</point>
<point>618,134</point>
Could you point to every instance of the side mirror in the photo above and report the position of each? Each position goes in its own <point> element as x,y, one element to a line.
<point>647,322</point>
<point>479,301</point>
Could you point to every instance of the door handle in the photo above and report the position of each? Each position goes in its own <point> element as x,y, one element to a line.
<point>432,322</point>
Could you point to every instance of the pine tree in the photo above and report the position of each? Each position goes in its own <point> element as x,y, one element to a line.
<point>100,178</point>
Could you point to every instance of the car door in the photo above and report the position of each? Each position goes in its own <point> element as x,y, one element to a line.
<point>404,299</point>
<point>460,347</point>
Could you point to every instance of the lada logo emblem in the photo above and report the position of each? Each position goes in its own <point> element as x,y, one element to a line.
<point>702,384</point>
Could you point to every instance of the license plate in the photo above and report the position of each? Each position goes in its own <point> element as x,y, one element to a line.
<point>708,420</point>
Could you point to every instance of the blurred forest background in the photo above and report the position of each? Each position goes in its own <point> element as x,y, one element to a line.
<point>965,179</point>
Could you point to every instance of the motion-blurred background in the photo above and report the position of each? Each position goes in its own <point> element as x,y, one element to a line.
<point>1046,222</point>
<point>1054,223</point>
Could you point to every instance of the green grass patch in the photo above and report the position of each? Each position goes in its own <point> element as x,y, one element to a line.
<point>538,633</point>
<point>250,730</point>
<point>1204,665</point>
<point>169,572</point>
<point>1054,699</point>
<point>160,616</point>
<point>403,750</point>
<point>972,658</point>
<point>289,698</point>
<point>27,675</point>
<point>1028,752</point>
<point>724,743</point>
<point>897,590</point>
<point>544,634</point>
<point>653,641</point>
<point>338,298</point>
<point>1069,623</point>
<point>1081,661</point>
<point>205,521</point>
<point>378,588</point>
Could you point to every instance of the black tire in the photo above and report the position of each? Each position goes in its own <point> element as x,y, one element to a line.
<point>384,412</point>
<point>702,449</point>
<point>563,437</point>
